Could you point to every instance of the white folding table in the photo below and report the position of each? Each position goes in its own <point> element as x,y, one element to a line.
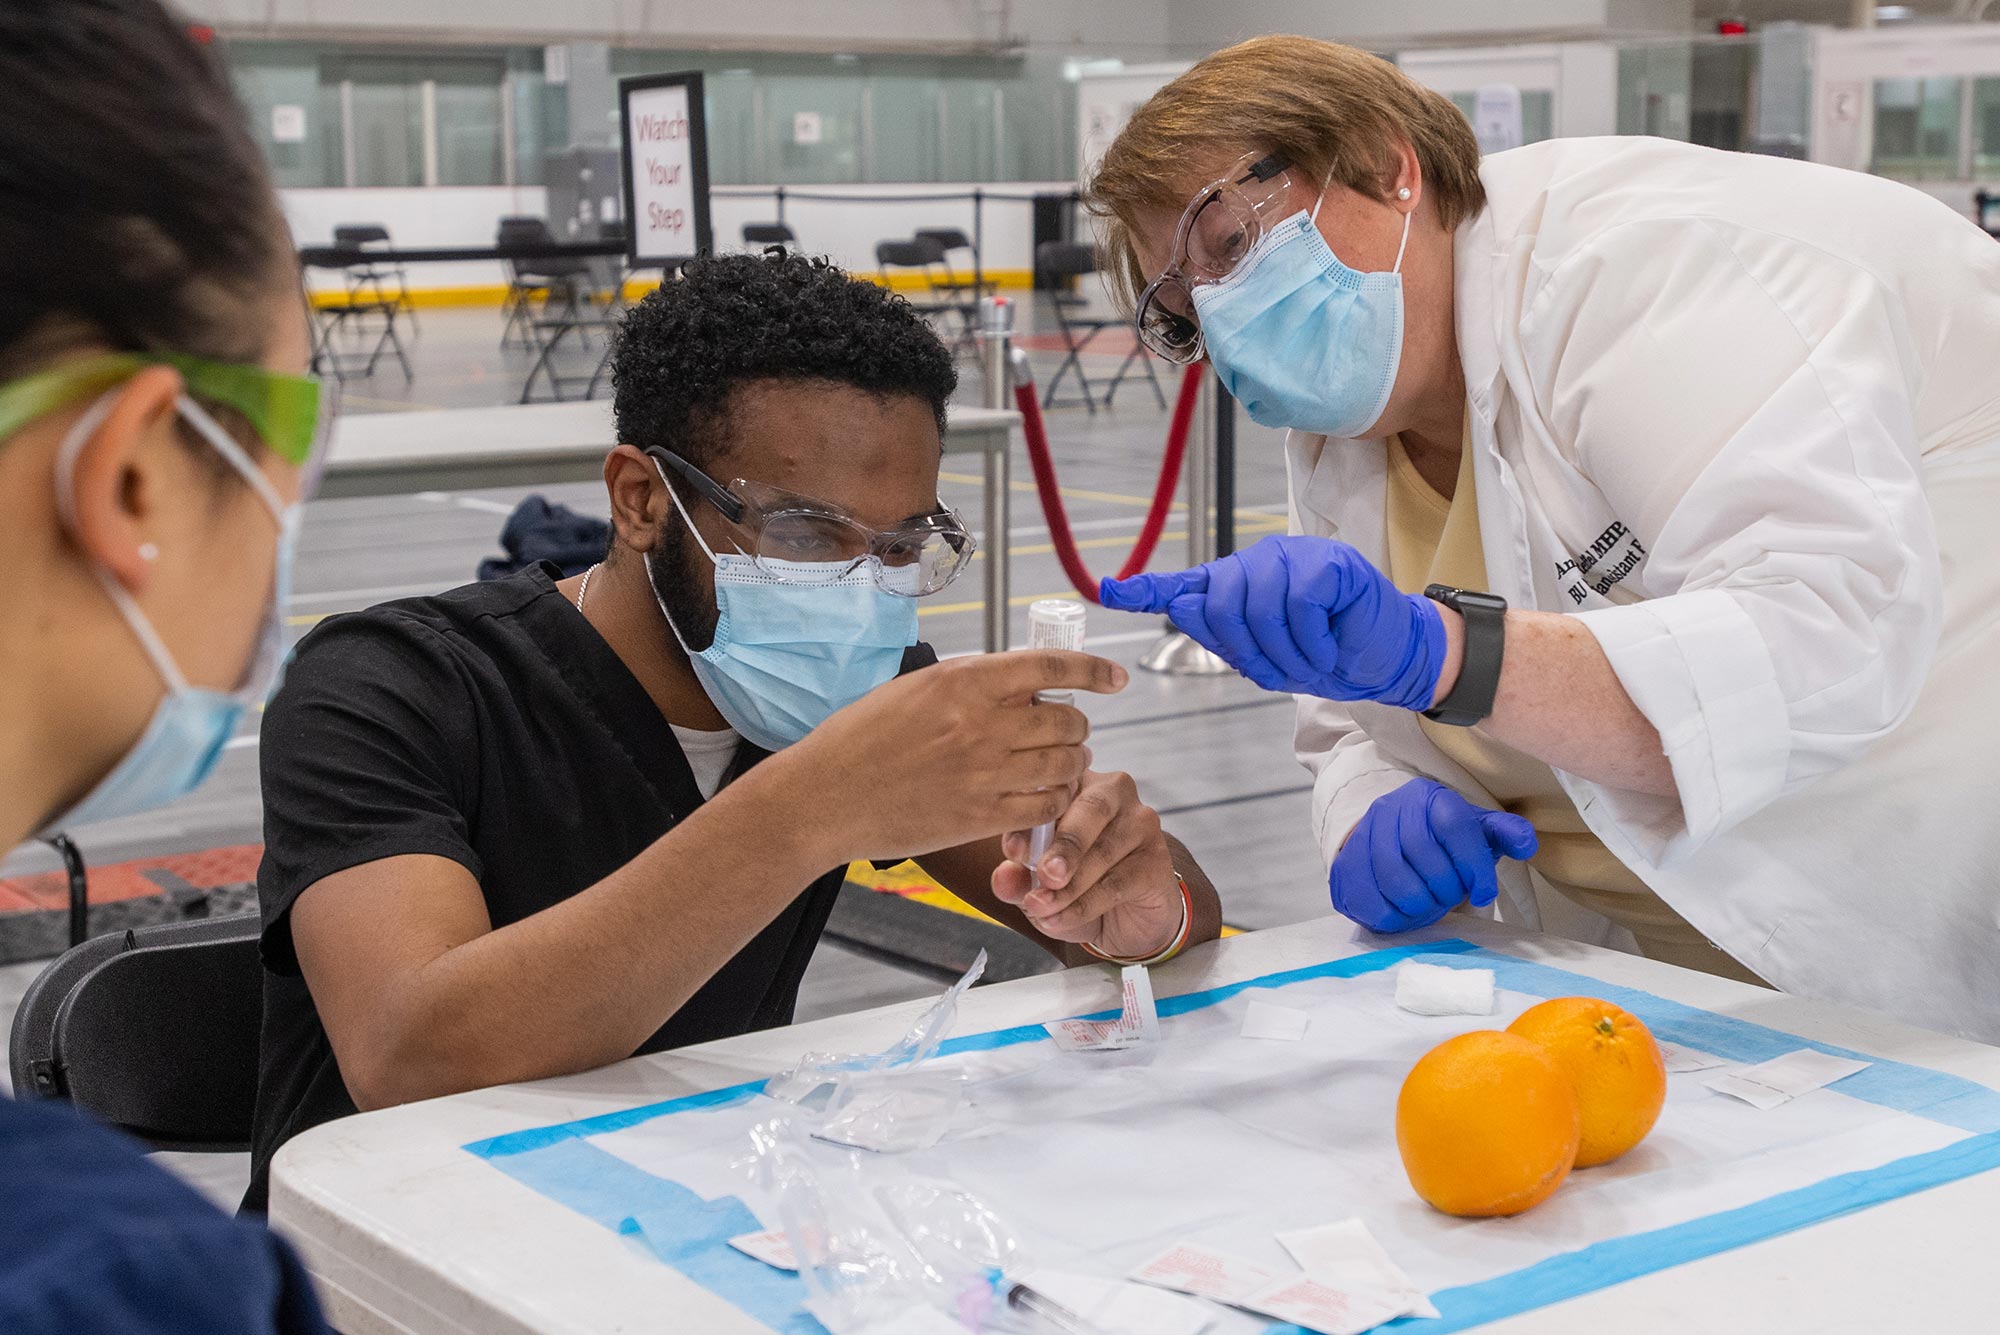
<point>407,1232</point>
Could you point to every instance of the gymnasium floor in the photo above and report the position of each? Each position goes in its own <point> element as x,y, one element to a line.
<point>1212,754</point>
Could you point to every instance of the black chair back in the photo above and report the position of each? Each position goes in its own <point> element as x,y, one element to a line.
<point>524,231</point>
<point>912,254</point>
<point>154,1031</point>
<point>768,234</point>
<point>353,236</point>
<point>950,238</point>
<point>1065,259</point>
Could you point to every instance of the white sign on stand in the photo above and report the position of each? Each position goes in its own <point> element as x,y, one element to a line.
<point>666,169</point>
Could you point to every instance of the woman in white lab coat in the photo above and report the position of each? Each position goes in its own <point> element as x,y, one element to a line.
<point>1723,434</point>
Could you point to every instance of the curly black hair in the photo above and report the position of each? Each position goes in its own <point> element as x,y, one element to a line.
<point>731,320</point>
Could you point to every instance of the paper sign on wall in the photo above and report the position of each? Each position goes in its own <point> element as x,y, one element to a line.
<point>807,127</point>
<point>288,124</point>
<point>1496,117</point>
<point>666,169</point>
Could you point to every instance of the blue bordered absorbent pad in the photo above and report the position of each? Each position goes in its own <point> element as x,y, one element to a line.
<point>1264,1137</point>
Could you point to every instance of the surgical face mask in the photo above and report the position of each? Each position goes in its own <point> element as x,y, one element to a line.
<point>191,725</point>
<point>1302,340</point>
<point>787,655</point>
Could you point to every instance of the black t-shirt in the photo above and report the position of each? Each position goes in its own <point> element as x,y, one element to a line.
<point>492,726</point>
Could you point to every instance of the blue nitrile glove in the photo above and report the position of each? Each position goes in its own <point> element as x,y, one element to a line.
<point>1418,853</point>
<point>1305,615</point>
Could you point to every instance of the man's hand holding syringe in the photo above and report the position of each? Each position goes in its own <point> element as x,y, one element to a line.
<point>1103,875</point>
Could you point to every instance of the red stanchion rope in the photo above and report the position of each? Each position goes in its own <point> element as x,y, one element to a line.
<point>1044,467</point>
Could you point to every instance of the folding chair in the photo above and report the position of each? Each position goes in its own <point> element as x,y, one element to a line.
<point>769,234</point>
<point>153,1030</point>
<point>533,281</point>
<point>567,287</point>
<point>927,255</point>
<point>1080,321</point>
<point>951,241</point>
<point>336,315</point>
<point>371,277</point>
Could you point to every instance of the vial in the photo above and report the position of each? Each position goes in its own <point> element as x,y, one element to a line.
<point>1053,623</point>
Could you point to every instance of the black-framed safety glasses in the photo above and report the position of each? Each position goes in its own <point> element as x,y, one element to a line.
<point>1220,225</point>
<point>800,540</point>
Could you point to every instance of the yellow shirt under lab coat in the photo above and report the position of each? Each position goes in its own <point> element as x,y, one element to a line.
<point>1432,540</point>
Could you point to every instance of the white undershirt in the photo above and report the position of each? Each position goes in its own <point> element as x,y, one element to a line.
<point>708,755</point>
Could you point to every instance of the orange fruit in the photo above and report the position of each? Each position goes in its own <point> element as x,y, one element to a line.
<point>1487,1123</point>
<point>1621,1081</point>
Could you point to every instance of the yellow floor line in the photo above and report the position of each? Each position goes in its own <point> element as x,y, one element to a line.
<point>1068,493</point>
<point>979,604</point>
<point>1125,543</point>
<point>1109,497</point>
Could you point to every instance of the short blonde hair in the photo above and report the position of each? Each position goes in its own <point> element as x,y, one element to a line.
<point>1330,109</point>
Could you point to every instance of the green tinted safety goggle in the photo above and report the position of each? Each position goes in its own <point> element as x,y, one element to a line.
<point>284,410</point>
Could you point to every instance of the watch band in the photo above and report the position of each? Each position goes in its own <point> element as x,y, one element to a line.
<point>1485,615</point>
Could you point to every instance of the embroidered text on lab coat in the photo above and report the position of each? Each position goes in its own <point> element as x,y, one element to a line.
<point>1615,554</point>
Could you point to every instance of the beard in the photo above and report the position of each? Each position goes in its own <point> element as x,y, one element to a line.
<point>680,571</point>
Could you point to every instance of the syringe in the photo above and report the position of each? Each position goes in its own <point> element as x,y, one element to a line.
<point>1053,623</point>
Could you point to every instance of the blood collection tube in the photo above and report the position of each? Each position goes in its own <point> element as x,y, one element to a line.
<point>1053,623</point>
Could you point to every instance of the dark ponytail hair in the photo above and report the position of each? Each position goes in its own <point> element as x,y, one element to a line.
<point>135,208</point>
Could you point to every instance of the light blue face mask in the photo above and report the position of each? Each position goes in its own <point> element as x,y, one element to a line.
<point>785,655</point>
<point>1302,340</point>
<point>191,725</point>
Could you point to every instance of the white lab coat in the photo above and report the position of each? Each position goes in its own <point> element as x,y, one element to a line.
<point>1742,417</point>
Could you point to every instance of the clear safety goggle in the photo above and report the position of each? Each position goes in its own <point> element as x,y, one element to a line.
<point>1221,224</point>
<point>787,532</point>
<point>293,415</point>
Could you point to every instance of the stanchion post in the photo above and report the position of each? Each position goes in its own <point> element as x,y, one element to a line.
<point>780,192</point>
<point>1200,486</point>
<point>1176,654</point>
<point>996,345</point>
<point>978,243</point>
<point>1225,470</point>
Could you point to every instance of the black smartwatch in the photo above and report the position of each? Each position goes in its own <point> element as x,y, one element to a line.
<point>1485,615</point>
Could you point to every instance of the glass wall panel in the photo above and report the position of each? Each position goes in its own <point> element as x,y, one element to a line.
<point>903,111</point>
<point>965,130</point>
<point>1986,128</point>
<point>1916,129</point>
<point>295,118</point>
<point>1719,98</point>
<point>1538,112</point>
<point>1655,87</point>
<point>541,115</point>
<point>1038,113</point>
<point>812,129</point>
<point>777,118</point>
<point>469,131</point>
<point>387,121</point>
<point>732,126</point>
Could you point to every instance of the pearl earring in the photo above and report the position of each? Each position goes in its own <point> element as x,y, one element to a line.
<point>1404,193</point>
<point>148,552</point>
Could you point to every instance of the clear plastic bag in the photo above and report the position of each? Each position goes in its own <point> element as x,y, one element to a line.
<point>880,1249</point>
<point>885,1101</point>
<point>813,1082</point>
